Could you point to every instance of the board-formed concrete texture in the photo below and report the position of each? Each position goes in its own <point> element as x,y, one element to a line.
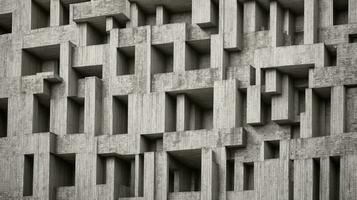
<point>178,100</point>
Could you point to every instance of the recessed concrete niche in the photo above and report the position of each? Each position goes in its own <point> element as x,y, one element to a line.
<point>5,23</point>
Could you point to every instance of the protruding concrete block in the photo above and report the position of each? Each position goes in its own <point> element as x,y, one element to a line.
<point>233,25</point>
<point>273,81</point>
<point>255,107</point>
<point>228,106</point>
<point>282,106</point>
<point>204,13</point>
<point>338,110</point>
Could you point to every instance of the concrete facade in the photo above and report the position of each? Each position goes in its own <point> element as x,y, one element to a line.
<point>178,100</point>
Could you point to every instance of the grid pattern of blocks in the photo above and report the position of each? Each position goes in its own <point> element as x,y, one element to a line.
<point>178,100</point>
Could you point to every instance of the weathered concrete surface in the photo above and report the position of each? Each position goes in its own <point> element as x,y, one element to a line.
<point>178,100</point>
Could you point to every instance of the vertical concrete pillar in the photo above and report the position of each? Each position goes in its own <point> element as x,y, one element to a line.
<point>289,26</point>
<point>149,176</point>
<point>338,109</point>
<point>55,12</point>
<point>182,113</point>
<point>326,13</point>
<point>219,57</point>
<point>161,176</point>
<point>204,13</point>
<point>209,175</point>
<point>233,25</point>
<point>276,24</point>
<point>255,107</point>
<point>228,107</point>
<point>352,11</point>
<point>136,16</point>
<point>303,179</point>
<point>139,175</point>
<point>93,106</point>
<point>162,15</point>
<point>311,19</point>
<point>282,106</point>
<point>309,119</point>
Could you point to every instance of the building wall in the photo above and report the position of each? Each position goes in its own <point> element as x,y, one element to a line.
<point>171,100</point>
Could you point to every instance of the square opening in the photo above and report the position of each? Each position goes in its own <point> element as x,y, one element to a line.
<point>3,117</point>
<point>40,14</point>
<point>352,38</point>
<point>41,114</point>
<point>230,169</point>
<point>185,171</point>
<point>153,143</point>
<point>120,114</point>
<point>196,107</point>
<point>5,23</point>
<point>248,176</point>
<point>162,58</point>
<point>40,59</point>
<point>94,31</point>
<point>198,54</point>
<point>340,12</point>
<point>75,115</point>
<point>271,149</point>
<point>101,170</point>
<point>28,175</point>
<point>62,170</point>
<point>126,60</point>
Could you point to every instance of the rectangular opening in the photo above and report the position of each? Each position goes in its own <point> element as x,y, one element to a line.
<point>335,166</point>
<point>170,112</point>
<point>126,60</point>
<point>323,111</point>
<point>40,59</point>
<point>126,176</point>
<point>120,114</point>
<point>340,12</point>
<point>75,115</point>
<point>295,131</point>
<point>198,109</point>
<point>40,14</point>
<point>230,175</point>
<point>101,170</point>
<point>262,15</point>
<point>5,23</point>
<point>291,180</point>
<point>41,114</point>
<point>298,38</point>
<point>198,54</point>
<point>181,16</point>
<point>28,175</point>
<point>3,117</point>
<point>351,109</point>
<point>271,149</point>
<point>316,169</point>
<point>331,56</point>
<point>162,58</point>
<point>248,176</point>
<point>352,38</point>
<point>89,71</point>
<point>62,170</point>
<point>185,172</point>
